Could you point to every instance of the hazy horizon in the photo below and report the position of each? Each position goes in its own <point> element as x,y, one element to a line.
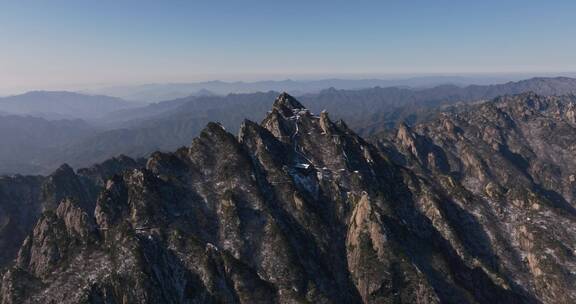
<point>465,79</point>
<point>66,44</point>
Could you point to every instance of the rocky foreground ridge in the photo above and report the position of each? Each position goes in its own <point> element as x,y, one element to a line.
<point>476,207</point>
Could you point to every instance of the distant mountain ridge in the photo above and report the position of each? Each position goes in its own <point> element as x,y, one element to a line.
<point>168,125</point>
<point>171,124</point>
<point>62,105</point>
<point>28,143</point>
<point>160,92</point>
<point>375,109</point>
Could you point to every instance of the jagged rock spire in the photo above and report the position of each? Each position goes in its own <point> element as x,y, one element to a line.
<point>286,104</point>
<point>302,208</point>
<point>64,169</point>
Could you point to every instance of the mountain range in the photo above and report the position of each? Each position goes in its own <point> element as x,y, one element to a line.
<point>161,92</point>
<point>62,105</point>
<point>474,205</point>
<point>168,125</point>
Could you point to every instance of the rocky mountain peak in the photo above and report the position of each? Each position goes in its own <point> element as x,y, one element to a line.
<point>56,233</point>
<point>404,133</point>
<point>64,170</point>
<point>214,132</point>
<point>100,173</point>
<point>65,183</point>
<point>300,209</point>
<point>287,105</point>
<point>407,138</point>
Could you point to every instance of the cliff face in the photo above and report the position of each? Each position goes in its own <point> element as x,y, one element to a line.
<point>512,159</point>
<point>24,198</point>
<point>19,209</point>
<point>300,209</point>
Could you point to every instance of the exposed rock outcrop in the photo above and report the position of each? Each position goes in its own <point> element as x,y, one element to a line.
<point>299,209</point>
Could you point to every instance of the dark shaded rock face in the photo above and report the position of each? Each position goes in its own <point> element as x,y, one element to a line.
<point>510,164</point>
<point>19,210</point>
<point>299,209</point>
<point>24,198</point>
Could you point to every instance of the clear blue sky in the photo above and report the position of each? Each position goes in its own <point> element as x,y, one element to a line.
<point>64,42</point>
